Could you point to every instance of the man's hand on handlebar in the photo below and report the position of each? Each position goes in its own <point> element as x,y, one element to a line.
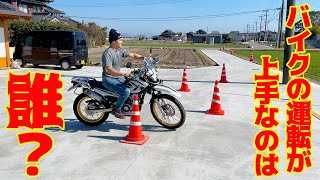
<point>128,75</point>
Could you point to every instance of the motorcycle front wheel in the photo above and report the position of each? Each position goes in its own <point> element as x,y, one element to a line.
<point>170,114</point>
<point>80,109</point>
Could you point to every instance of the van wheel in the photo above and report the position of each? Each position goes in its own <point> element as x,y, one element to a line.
<point>65,64</point>
<point>78,66</point>
<point>36,65</point>
<point>20,61</point>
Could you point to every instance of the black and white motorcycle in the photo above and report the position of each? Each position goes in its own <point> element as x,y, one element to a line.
<point>93,105</point>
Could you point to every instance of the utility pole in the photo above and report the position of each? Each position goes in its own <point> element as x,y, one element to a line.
<point>280,25</point>
<point>260,28</point>
<point>248,27</point>
<point>266,27</point>
<point>253,32</point>
<point>255,35</point>
<point>288,49</point>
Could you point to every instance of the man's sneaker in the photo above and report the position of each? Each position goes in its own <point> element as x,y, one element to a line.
<point>117,113</point>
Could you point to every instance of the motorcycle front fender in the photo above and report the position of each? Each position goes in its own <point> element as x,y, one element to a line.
<point>167,90</point>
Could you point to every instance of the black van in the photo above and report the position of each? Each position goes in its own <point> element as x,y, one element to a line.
<point>64,48</point>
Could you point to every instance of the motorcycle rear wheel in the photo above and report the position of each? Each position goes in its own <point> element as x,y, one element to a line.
<point>175,114</point>
<point>79,108</point>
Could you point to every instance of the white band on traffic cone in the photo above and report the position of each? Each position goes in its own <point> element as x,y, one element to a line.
<point>216,101</point>
<point>216,93</point>
<point>135,103</point>
<point>136,113</point>
<point>133,123</point>
<point>184,82</point>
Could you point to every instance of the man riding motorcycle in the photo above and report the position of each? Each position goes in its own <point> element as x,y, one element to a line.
<point>112,78</point>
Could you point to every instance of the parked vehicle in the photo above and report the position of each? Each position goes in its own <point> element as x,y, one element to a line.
<point>64,48</point>
<point>93,105</point>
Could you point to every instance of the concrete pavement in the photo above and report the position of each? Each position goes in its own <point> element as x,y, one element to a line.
<point>205,147</point>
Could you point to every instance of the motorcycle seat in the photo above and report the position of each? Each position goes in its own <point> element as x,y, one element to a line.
<point>97,84</point>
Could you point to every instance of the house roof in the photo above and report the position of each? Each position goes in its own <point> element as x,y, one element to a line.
<point>10,12</point>
<point>49,17</point>
<point>40,2</point>
<point>168,31</point>
<point>53,10</point>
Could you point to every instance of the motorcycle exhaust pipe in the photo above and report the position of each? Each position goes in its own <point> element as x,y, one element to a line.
<point>100,110</point>
<point>93,94</point>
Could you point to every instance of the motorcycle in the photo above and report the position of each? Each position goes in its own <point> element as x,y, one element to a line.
<point>93,105</point>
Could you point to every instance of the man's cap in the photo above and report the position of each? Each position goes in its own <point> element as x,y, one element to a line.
<point>114,35</point>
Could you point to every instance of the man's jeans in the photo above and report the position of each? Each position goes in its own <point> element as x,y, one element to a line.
<point>115,85</point>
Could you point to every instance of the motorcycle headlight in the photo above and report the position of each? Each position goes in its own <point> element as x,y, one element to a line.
<point>153,78</point>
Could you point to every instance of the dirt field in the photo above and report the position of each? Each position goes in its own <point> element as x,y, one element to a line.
<point>169,57</point>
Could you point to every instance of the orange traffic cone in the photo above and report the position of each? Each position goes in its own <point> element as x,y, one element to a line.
<point>223,75</point>
<point>276,58</point>
<point>251,58</point>
<point>231,51</point>
<point>184,84</point>
<point>135,135</point>
<point>220,48</point>
<point>215,104</point>
<point>223,48</point>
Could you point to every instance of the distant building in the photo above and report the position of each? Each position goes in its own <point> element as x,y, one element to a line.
<point>235,36</point>
<point>189,36</point>
<point>54,15</point>
<point>212,38</point>
<point>167,35</point>
<point>41,11</point>
<point>29,6</point>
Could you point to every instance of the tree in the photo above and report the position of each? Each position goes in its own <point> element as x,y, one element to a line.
<point>315,19</point>
<point>105,28</point>
<point>226,38</point>
<point>201,31</point>
<point>95,34</point>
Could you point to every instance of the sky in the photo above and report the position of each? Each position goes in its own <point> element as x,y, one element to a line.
<point>130,17</point>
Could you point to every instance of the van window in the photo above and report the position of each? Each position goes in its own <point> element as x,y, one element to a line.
<point>66,44</point>
<point>53,43</point>
<point>40,42</point>
<point>28,41</point>
<point>80,39</point>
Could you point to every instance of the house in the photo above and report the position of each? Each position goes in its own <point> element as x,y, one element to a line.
<point>7,12</point>
<point>53,15</point>
<point>168,35</point>
<point>189,36</point>
<point>235,36</point>
<point>212,38</point>
<point>29,6</point>
<point>41,11</point>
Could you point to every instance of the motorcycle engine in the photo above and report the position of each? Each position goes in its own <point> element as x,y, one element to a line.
<point>126,108</point>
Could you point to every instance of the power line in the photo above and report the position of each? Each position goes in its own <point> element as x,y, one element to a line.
<point>123,4</point>
<point>274,15</point>
<point>172,18</point>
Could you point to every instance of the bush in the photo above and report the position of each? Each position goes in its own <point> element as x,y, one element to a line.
<point>95,34</point>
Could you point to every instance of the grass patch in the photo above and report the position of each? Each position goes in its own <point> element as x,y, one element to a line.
<point>313,71</point>
<point>204,58</point>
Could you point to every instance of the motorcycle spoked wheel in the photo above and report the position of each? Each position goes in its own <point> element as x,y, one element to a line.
<point>174,112</point>
<point>80,106</point>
